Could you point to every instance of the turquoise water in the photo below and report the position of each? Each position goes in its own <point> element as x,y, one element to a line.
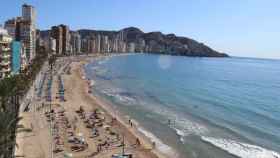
<point>197,107</point>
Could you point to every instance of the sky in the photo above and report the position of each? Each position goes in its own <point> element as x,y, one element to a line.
<point>248,28</point>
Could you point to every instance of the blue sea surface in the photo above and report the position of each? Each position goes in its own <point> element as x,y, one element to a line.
<point>196,107</point>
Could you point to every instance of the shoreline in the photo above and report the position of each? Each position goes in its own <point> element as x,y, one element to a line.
<point>217,143</point>
<point>136,130</point>
<point>39,142</point>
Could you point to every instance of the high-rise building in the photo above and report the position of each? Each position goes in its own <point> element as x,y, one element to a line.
<point>84,45</point>
<point>98,43</point>
<point>140,45</point>
<point>28,30</point>
<point>115,44</point>
<point>56,33</point>
<point>76,42</point>
<point>10,26</point>
<point>29,13</point>
<point>91,44</point>
<point>62,35</point>
<point>5,53</point>
<point>131,47</point>
<point>121,42</point>
<point>27,38</point>
<point>50,44</point>
<point>13,26</point>
<point>105,44</point>
<point>24,29</point>
<point>65,39</point>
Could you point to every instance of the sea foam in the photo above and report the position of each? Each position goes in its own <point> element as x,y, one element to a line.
<point>165,149</point>
<point>180,123</point>
<point>119,95</point>
<point>180,133</point>
<point>242,150</point>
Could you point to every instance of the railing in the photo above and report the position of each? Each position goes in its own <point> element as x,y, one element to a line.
<point>5,48</point>
<point>5,55</point>
<point>5,63</point>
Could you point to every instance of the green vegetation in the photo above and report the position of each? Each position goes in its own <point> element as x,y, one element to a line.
<point>12,91</point>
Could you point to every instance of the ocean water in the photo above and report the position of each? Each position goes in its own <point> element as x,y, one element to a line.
<point>196,107</point>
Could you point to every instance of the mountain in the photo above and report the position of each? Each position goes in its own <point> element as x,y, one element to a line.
<point>156,42</point>
<point>161,43</point>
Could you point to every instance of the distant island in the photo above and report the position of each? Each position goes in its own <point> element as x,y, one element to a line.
<point>132,39</point>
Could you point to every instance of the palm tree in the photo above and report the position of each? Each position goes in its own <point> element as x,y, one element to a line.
<point>8,128</point>
<point>10,90</point>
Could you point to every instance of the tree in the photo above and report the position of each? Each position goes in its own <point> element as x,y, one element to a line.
<point>11,89</point>
<point>8,128</point>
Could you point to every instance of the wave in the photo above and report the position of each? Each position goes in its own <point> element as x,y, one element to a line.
<point>95,68</point>
<point>179,122</point>
<point>121,96</point>
<point>181,134</point>
<point>165,149</point>
<point>91,83</point>
<point>103,61</point>
<point>241,150</point>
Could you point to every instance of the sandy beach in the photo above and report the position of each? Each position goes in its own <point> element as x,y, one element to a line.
<point>72,119</point>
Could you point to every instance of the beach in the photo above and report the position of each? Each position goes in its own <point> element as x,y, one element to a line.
<point>40,143</point>
<point>194,107</point>
<point>99,101</point>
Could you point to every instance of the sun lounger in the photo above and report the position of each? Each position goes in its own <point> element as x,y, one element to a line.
<point>77,148</point>
<point>57,150</point>
<point>122,156</point>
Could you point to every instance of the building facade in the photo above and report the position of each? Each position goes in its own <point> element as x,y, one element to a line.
<point>75,43</point>
<point>5,53</point>
<point>66,47</point>
<point>16,56</point>
<point>62,36</point>
<point>56,33</point>
<point>28,31</point>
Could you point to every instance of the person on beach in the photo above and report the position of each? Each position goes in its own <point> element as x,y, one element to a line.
<point>137,142</point>
<point>130,123</point>
<point>169,122</point>
<point>98,148</point>
<point>154,145</point>
<point>113,121</point>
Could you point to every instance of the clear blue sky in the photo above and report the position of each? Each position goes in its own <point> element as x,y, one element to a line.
<point>239,27</point>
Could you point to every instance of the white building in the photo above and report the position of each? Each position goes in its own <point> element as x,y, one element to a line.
<point>5,53</point>
<point>50,44</point>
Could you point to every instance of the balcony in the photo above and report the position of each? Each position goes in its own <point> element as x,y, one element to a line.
<point>5,63</point>
<point>5,55</point>
<point>5,49</point>
<point>5,70</point>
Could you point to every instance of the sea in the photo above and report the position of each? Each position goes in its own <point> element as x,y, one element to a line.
<point>194,107</point>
